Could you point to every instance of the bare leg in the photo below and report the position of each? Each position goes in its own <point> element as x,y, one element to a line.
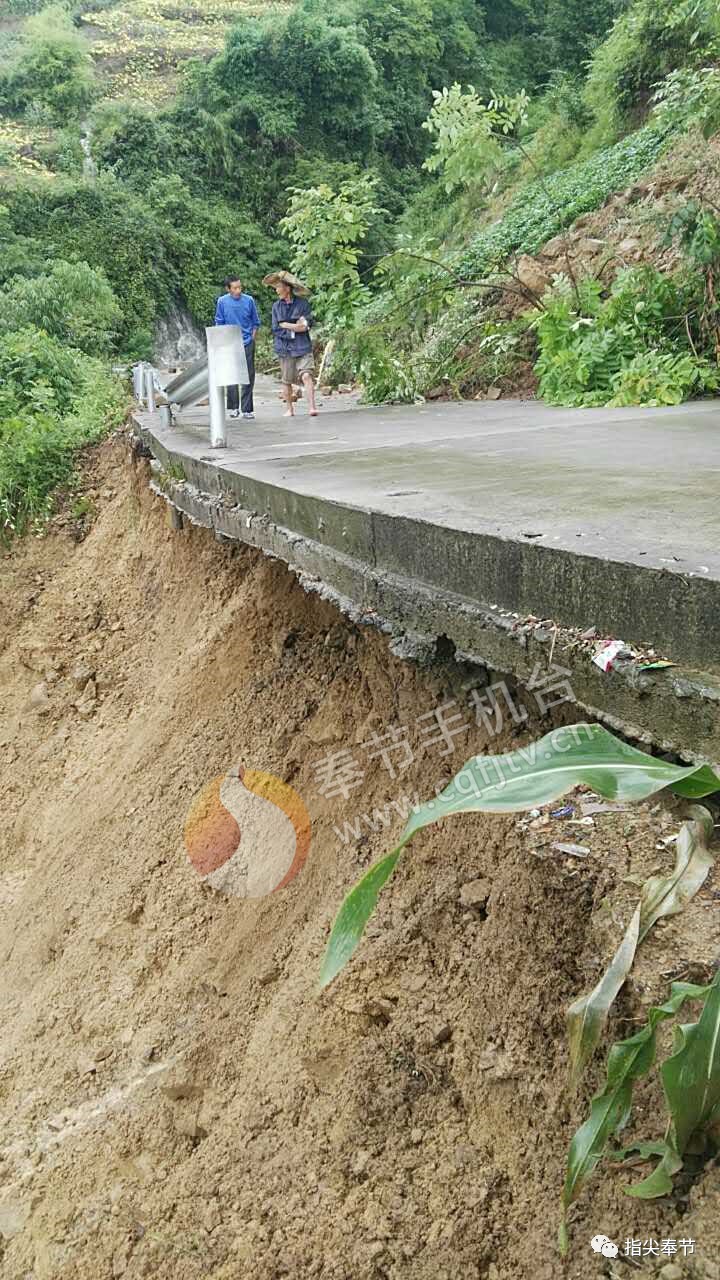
<point>310,389</point>
<point>290,411</point>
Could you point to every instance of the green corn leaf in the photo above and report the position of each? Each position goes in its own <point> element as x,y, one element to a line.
<point>660,1181</point>
<point>661,896</point>
<point>698,783</point>
<point>543,771</point>
<point>524,779</point>
<point>637,1151</point>
<point>354,915</point>
<point>587,1016</point>
<point>691,1079</point>
<point>610,1108</point>
<point>667,895</point>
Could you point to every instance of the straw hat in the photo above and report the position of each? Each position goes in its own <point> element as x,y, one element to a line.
<point>287,277</point>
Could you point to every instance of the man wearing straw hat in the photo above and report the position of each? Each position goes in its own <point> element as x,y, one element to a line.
<point>291,323</point>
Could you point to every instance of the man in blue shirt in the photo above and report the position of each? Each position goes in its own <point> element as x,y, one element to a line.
<point>236,307</point>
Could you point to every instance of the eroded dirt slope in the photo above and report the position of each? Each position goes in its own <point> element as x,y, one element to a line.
<point>177,1099</point>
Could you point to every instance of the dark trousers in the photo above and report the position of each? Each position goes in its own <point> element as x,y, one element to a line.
<point>233,393</point>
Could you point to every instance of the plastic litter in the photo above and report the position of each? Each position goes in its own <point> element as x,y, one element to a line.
<point>592,807</point>
<point>606,656</point>
<point>575,850</point>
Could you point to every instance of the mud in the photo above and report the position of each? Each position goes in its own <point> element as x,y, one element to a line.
<point>178,1099</point>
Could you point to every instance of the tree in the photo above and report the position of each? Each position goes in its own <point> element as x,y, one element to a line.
<point>53,70</point>
<point>71,302</point>
<point>38,371</point>
<point>326,229</point>
<point>575,28</point>
<point>468,134</point>
<point>298,80</point>
<point>417,46</point>
<point>130,141</point>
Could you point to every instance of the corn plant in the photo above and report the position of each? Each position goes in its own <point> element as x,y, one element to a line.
<point>691,1081</point>
<point>661,896</point>
<point>539,774</point>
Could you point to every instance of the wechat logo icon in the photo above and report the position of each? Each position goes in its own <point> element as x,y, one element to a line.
<point>605,1246</point>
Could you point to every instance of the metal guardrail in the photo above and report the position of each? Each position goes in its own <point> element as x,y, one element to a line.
<point>225,366</point>
<point>189,386</point>
<point>146,389</point>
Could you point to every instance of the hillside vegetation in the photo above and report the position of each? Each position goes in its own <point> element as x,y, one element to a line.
<point>483,199</point>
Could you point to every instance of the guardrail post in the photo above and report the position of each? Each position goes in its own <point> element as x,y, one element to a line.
<point>166,417</point>
<point>218,425</point>
<point>139,381</point>
<point>227,367</point>
<point>150,388</point>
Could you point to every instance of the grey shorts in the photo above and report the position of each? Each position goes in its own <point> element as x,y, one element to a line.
<point>293,368</point>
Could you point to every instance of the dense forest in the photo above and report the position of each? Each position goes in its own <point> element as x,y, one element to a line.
<point>408,158</point>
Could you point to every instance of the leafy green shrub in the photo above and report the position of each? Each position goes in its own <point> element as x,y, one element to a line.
<point>100,404</point>
<point>33,459</point>
<point>131,141</point>
<point>690,95</point>
<point>630,348</point>
<point>53,71</point>
<point>385,373</point>
<point>38,370</point>
<point>648,42</point>
<point>52,402</point>
<point>662,377</point>
<point>72,302</point>
<point>468,134</point>
<point>326,229</point>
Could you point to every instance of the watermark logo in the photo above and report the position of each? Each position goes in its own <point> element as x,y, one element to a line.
<point>247,833</point>
<point>651,1248</point>
<point>605,1246</point>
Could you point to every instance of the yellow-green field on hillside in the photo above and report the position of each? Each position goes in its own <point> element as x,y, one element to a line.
<point>140,45</point>
<point>139,48</point>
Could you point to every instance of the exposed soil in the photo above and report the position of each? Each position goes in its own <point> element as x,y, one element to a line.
<point>178,1101</point>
